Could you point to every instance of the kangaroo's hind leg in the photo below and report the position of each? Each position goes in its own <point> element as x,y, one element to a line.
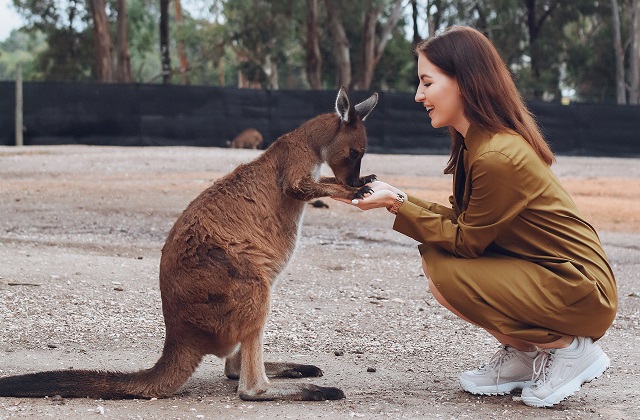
<point>254,385</point>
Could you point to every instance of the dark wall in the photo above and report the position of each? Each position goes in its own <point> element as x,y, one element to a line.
<point>139,115</point>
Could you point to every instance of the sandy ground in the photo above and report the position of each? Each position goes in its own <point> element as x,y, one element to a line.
<point>80,238</point>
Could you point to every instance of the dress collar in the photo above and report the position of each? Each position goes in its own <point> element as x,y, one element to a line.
<point>475,137</point>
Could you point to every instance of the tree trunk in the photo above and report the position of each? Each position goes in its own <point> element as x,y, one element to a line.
<point>314,58</point>
<point>534,25</point>
<point>123,71</point>
<point>103,44</point>
<point>271,69</point>
<point>621,91</point>
<point>220,64</point>
<point>184,64</point>
<point>434,17</point>
<point>414,18</point>
<point>372,47</point>
<point>164,41</point>
<point>341,45</point>
<point>634,57</point>
<point>368,49</point>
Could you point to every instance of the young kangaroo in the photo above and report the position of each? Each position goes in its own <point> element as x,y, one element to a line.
<point>220,261</point>
<point>249,138</point>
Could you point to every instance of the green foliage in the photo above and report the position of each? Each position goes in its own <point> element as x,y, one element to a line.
<point>144,16</point>
<point>264,42</point>
<point>20,49</point>
<point>69,60</point>
<point>397,70</point>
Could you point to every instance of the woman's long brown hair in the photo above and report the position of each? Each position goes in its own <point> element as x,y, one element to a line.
<point>491,100</point>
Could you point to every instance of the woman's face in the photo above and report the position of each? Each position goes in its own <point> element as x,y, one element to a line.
<point>440,95</point>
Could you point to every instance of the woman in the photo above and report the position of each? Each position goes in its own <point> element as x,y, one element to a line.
<point>512,254</point>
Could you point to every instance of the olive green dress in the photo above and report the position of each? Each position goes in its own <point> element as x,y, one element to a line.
<point>513,253</point>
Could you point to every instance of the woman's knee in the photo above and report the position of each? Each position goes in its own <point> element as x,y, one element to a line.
<point>436,293</point>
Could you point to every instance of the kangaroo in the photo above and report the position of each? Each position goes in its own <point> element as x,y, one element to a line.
<point>220,261</point>
<point>249,138</point>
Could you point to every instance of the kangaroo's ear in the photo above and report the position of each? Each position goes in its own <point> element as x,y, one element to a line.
<point>364,108</point>
<point>343,105</point>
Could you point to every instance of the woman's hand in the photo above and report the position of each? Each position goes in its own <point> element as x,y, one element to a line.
<point>384,195</point>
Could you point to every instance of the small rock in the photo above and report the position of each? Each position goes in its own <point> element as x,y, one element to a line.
<point>338,353</point>
<point>371,369</point>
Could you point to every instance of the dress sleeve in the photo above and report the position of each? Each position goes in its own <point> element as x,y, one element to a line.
<point>434,207</point>
<point>497,197</point>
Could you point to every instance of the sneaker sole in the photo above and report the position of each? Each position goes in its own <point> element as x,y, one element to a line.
<point>502,389</point>
<point>594,371</point>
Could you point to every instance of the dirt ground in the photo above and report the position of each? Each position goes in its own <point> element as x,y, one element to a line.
<point>80,238</point>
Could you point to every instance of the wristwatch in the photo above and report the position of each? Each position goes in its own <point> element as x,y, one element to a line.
<point>393,209</point>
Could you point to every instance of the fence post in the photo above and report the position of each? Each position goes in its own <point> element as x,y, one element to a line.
<point>19,121</point>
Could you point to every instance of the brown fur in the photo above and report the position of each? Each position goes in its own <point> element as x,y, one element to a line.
<point>220,261</point>
<point>249,138</point>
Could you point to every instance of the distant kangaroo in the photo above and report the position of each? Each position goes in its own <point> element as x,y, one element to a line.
<point>249,138</point>
<point>220,261</point>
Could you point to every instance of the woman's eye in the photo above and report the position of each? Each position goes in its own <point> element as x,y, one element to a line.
<point>426,84</point>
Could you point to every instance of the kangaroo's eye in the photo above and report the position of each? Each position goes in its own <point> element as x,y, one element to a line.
<point>353,154</point>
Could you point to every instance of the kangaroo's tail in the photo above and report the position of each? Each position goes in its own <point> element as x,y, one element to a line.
<point>171,371</point>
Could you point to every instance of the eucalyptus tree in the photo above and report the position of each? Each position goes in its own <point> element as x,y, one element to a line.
<point>64,25</point>
<point>75,29</point>
<point>263,36</point>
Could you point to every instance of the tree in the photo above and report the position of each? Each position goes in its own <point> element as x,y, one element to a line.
<point>264,37</point>
<point>123,70</point>
<point>102,41</point>
<point>621,91</point>
<point>340,44</point>
<point>634,55</point>
<point>538,12</point>
<point>64,25</point>
<point>314,57</point>
<point>379,18</point>
<point>376,35</point>
<point>184,64</point>
<point>165,57</point>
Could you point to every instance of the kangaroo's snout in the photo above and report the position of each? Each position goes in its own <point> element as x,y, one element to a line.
<point>344,154</point>
<point>353,179</point>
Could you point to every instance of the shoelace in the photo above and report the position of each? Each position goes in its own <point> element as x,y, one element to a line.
<point>497,360</point>
<point>541,365</point>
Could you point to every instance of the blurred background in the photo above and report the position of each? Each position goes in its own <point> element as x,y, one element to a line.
<point>562,54</point>
<point>579,50</point>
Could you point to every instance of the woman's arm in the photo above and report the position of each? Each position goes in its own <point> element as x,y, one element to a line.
<point>497,197</point>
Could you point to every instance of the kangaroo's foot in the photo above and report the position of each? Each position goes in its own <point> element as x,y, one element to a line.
<point>291,370</point>
<point>293,392</point>
<point>277,370</point>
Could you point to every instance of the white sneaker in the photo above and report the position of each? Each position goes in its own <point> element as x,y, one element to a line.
<point>561,372</point>
<point>507,370</point>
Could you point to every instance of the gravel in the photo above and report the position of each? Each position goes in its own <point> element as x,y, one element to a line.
<point>80,241</point>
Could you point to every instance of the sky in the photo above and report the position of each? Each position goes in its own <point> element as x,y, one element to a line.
<point>9,19</point>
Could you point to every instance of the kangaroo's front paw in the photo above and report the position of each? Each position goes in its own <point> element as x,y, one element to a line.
<point>360,192</point>
<point>367,179</point>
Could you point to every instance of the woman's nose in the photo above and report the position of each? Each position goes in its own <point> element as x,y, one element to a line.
<point>419,95</point>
